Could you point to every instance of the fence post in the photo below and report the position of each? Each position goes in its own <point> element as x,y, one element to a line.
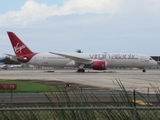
<point>81,96</point>
<point>148,104</point>
<point>11,102</point>
<point>135,111</point>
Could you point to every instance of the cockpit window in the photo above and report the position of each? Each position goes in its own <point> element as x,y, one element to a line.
<point>150,59</point>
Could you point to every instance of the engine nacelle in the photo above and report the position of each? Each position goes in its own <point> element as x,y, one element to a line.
<point>99,65</point>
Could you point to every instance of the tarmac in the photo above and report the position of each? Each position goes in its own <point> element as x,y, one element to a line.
<point>130,78</point>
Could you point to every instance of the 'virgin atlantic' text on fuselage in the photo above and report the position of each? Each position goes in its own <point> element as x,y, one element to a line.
<point>113,56</point>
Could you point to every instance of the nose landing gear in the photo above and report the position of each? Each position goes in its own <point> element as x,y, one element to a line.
<point>144,70</point>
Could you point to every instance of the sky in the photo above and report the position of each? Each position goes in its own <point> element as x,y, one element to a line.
<point>93,26</point>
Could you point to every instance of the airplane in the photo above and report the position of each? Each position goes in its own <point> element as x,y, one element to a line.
<point>3,66</point>
<point>96,61</point>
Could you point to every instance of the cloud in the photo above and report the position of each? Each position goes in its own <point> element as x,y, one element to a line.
<point>90,6</point>
<point>32,11</point>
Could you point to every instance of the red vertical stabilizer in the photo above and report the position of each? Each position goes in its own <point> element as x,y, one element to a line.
<point>18,46</point>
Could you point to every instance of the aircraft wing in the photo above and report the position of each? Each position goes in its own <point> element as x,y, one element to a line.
<point>75,58</point>
<point>16,57</point>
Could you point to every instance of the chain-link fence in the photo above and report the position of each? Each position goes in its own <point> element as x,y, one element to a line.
<point>81,105</point>
<point>80,113</point>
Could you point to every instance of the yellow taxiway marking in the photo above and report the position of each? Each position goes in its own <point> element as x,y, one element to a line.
<point>110,71</point>
<point>141,102</point>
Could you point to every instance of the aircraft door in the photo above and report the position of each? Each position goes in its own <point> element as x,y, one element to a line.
<point>142,60</point>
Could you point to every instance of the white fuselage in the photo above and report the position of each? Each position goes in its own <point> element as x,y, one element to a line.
<point>112,59</point>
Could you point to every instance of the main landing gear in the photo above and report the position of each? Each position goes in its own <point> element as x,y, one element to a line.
<point>144,70</point>
<point>81,70</point>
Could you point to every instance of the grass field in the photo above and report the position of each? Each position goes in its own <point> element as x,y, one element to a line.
<point>27,86</point>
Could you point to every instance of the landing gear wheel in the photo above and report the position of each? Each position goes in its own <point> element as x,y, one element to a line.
<point>144,70</point>
<point>81,70</point>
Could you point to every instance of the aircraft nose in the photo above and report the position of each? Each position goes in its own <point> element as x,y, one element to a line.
<point>154,63</point>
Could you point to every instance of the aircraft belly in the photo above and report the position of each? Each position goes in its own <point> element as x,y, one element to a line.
<point>123,63</point>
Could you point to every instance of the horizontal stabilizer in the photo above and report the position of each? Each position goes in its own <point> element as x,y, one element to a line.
<point>16,57</point>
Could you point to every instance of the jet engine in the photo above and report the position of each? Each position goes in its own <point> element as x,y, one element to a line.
<point>99,65</point>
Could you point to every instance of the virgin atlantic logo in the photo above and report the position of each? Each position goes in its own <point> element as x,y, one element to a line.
<point>18,49</point>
